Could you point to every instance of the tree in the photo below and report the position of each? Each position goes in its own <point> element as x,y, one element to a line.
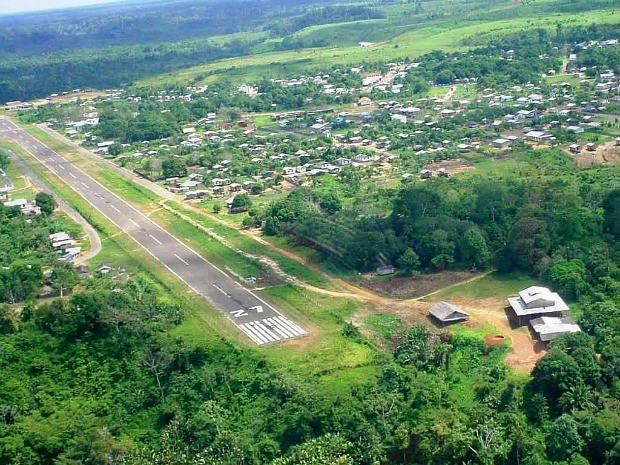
<point>329,449</point>
<point>241,201</point>
<point>4,160</point>
<point>64,278</point>
<point>409,261</point>
<point>474,249</point>
<point>569,276</point>
<point>173,167</point>
<point>611,207</point>
<point>564,439</point>
<point>115,150</point>
<point>272,226</point>
<point>45,202</point>
<point>217,207</point>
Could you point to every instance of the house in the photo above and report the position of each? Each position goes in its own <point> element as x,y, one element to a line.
<point>538,136</point>
<point>220,182</point>
<point>442,173</point>
<point>425,174</point>
<point>385,270</point>
<point>445,313</point>
<point>343,161</point>
<point>362,158</point>
<point>500,143</point>
<point>591,146</point>
<point>575,148</point>
<point>28,208</point>
<point>536,301</point>
<point>364,102</point>
<point>548,328</point>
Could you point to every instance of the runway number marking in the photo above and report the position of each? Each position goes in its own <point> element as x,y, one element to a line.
<point>239,313</point>
<point>258,308</point>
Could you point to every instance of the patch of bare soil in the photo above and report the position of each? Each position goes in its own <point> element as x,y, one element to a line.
<point>492,341</point>
<point>452,166</point>
<point>605,154</point>
<point>401,287</point>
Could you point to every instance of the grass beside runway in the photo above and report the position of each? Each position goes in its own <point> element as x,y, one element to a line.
<point>336,362</point>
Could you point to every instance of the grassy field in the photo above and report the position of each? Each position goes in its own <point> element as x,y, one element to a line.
<point>455,34</point>
<point>492,285</point>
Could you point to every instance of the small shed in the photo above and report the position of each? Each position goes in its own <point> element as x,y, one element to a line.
<point>448,313</point>
<point>385,270</point>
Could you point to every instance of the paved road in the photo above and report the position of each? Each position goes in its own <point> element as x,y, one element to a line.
<point>262,323</point>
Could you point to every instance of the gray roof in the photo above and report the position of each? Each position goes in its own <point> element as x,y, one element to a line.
<point>446,312</point>
<point>536,300</point>
<point>549,328</point>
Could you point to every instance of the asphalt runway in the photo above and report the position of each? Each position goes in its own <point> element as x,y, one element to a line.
<point>258,320</point>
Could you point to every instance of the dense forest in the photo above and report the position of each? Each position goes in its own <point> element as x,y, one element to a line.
<point>103,47</point>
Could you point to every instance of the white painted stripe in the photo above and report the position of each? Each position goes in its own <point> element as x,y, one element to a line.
<point>221,290</point>
<point>72,175</point>
<point>291,326</point>
<point>250,335</point>
<point>268,334</point>
<point>257,334</point>
<point>278,330</point>
<point>299,329</point>
<point>62,167</point>
<point>273,337</point>
<point>159,242</point>
<point>113,207</point>
<point>281,328</point>
<point>134,222</point>
<point>283,324</point>
<point>186,264</point>
<point>85,185</point>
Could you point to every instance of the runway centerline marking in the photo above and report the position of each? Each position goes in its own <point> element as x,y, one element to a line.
<point>186,264</point>
<point>159,242</point>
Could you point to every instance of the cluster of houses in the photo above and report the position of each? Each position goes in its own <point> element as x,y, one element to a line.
<point>65,245</point>
<point>543,310</point>
<point>28,208</point>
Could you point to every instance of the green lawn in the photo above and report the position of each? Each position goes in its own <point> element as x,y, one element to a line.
<point>492,285</point>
